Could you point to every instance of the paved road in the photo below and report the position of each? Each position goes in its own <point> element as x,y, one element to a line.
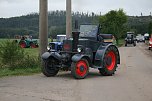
<point>132,82</point>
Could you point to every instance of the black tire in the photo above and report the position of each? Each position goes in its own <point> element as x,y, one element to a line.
<point>76,68</point>
<point>126,44</point>
<point>134,43</point>
<point>149,48</point>
<point>48,68</point>
<point>109,69</point>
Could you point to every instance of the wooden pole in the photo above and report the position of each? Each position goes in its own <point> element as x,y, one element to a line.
<point>68,19</point>
<point>43,26</point>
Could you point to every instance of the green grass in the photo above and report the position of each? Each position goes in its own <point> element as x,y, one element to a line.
<point>3,40</point>
<point>28,51</point>
<point>18,71</point>
<point>120,42</point>
<point>32,52</point>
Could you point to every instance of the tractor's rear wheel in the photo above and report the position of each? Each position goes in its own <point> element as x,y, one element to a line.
<point>80,69</point>
<point>22,44</point>
<point>109,62</point>
<point>33,45</point>
<point>49,68</point>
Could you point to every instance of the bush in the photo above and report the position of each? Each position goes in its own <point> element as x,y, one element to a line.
<point>10,53</point>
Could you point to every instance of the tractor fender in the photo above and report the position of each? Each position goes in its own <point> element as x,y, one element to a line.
<point>99,57</point>
<point>47,55</point>
<point>77,57</point>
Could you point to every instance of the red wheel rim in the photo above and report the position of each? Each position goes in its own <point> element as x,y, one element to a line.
<point>81,68</point>
<point>22,45</point>
<point>110,60</point>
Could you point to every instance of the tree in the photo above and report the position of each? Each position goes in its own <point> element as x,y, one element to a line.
<point>113,23</point>
<point>150,28</point>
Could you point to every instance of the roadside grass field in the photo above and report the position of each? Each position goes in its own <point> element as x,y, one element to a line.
<point>28,51</point>
<point>120,42</point>
<point>31,52</point>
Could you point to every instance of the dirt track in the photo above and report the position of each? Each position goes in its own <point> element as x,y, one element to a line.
<point>132,82</point>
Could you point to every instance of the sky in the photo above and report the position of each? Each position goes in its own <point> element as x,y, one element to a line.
<point>12,8</point>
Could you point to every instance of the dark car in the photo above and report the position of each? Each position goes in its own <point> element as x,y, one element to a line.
<point>81,52</point>
<point>130,39</point>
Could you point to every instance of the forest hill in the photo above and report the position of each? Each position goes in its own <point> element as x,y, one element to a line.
<point>29,24</point>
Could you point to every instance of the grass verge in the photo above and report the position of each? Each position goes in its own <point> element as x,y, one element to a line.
<point>18,71</point>
<point>120,42</point>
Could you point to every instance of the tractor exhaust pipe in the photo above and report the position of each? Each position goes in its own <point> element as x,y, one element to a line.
<point>75,35</point>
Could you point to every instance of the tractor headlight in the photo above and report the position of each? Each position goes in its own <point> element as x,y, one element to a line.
<point>48,48</point>
<point>150,42</point>
<point>79,50</point>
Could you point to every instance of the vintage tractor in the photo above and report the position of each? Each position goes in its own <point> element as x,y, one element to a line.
<point>86,49</point>
<point>130,39</point>
<point>26,43</point>
<point>58,45</point>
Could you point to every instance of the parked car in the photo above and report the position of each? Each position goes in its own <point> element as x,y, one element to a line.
<point>81,52</point>
<point>130,39</point>
<point>140,38</point>
<point>150,43</point>
<point>58,44</point>
<point>146,35</point>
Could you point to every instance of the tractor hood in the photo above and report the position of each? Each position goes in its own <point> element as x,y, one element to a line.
<point>87,43</point>
<point>58,43</point>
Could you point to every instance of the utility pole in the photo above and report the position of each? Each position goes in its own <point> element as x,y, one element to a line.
<point>43,26</point>
<point>68,19</point>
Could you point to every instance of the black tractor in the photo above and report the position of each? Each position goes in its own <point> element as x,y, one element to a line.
<point>85,50</point>
<point>130,39</point>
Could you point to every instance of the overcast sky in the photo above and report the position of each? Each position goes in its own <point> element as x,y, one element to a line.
<point>11,8</point>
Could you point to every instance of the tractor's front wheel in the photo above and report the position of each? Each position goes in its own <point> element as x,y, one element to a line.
<point>49,68</point>
<point>110,62</point>
<point>80,69</point>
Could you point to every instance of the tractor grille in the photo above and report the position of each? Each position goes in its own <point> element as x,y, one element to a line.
<point>52,45</point>
<point>67,45</point>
